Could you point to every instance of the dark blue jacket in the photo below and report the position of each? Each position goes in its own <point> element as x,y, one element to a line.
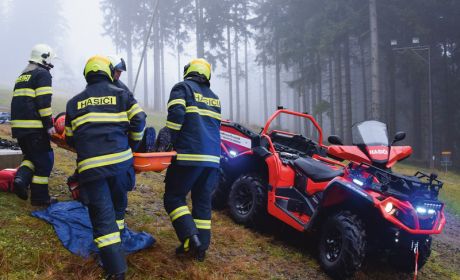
<point>194,116</point>
<point>103,124</point>
<point>31,104</point>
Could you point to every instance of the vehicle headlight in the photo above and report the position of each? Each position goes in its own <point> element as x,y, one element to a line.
<point>389,207</point>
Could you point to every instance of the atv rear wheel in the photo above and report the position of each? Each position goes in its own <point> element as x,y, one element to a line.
<point>219,196</point>
<point>342,244</point>
<point>248,200</point>
<point>403,257</point>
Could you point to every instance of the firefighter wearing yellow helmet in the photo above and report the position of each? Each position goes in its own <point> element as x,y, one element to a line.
<point>31,124</point>
<point>194,116</point>
<point>104,124</point>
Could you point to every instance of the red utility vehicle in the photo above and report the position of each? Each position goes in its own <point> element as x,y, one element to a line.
<point>355,207</point>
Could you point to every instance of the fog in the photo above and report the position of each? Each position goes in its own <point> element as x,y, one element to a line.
<point>335,59</point>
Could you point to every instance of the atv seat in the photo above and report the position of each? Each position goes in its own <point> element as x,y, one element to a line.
<point>316,170</point>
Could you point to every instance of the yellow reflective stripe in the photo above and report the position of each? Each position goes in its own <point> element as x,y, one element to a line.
<point>40,180</point>
<point>45,112</point>
<point>176,102</point>
<point>26,124</point>
<point>202,224</point>
<point>99,117</point>
<point>179,212</point>
<point>134,110</point>
<point>108,239</point>
<point>121,224</point>
<point>43,91</point>
<point>136,136</point>
<point>186,244</point>
<point>24,92</point>
<point>203,112</point>
<point>104,160</point>
<point>191,157</point>
<point>68,131</point>
<point>28,164</point>
<point>173,126</point>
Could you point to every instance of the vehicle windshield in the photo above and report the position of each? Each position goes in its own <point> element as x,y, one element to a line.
<point>370,133</point>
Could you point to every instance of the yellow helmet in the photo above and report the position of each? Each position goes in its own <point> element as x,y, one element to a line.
<point>200,66</point>
<point>99,64</point>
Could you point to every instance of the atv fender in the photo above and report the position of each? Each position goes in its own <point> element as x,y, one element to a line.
<point>339,195</point>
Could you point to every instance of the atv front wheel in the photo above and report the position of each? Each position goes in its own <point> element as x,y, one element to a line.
<point>403,257</point>
<point>219,196</point>
<point>248,200</point>
<point>342,244</point>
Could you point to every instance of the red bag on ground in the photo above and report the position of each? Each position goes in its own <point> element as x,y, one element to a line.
<point>6,179</point>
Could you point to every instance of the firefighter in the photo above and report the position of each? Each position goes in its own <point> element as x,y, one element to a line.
<point>119,66</point>
<point>32,125</point>
<point>194,116</point>
<point>104,124</point>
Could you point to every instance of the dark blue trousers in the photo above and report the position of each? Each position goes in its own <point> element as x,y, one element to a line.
<point>200,181</point>
<point>107,200</point>
<point>37,165</point>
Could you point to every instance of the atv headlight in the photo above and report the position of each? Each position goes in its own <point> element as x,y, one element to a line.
<point>389,207</point>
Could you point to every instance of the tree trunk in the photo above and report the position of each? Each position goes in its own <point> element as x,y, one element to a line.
<point>237,77</point>
<point>146,82</point>
<point>246,80</point>
<point>277,79</point>
<point>364,80</point>
<point>179,66</point>
<point>331,95</point>
<point>162,76</point>
<point>375,78</point>
<point>129,53</point>
<point>198,29</point>
<point>156,65</point>
<point>229,70</point>
<point>338,106</point>
<point>320,87</point>
<point>391,104</point>
<point>348,118</point>
<point>264,86</point>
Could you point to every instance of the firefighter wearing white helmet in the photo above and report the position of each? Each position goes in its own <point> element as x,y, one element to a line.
<point>32,125</point>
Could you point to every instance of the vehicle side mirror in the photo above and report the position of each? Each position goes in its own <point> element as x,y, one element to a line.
<point>335,140</point>
<point>399,136</point>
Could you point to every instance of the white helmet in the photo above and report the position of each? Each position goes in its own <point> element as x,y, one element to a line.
<point>43,55</point>
<point>118,62</point>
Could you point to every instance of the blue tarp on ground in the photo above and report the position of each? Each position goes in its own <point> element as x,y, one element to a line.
<point>73,227</point>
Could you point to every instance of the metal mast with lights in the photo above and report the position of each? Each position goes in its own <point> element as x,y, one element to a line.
<point>415,49</point>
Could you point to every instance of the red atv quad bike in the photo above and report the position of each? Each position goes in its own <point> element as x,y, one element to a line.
<point>355,208</point>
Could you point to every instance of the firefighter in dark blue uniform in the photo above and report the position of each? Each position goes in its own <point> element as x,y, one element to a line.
<point>194,116</point>
<point>104,124</point>
<point>31,124</point>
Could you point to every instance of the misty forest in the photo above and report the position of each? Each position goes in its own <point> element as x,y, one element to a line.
<point>341,61</point>
<point>279,211</point>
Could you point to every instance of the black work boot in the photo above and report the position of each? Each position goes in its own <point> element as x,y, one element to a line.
<point>20,188</point>
<point>120,276</point>
<point>191,245</point>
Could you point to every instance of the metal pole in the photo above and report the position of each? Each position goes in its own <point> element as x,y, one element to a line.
<point>147,37</point>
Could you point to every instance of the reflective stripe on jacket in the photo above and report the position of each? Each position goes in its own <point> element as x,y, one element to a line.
<point>31,104</point>
<point>103,123</point>
<point>194,116</point>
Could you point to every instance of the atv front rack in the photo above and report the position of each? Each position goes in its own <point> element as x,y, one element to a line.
<point>416,187</point>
